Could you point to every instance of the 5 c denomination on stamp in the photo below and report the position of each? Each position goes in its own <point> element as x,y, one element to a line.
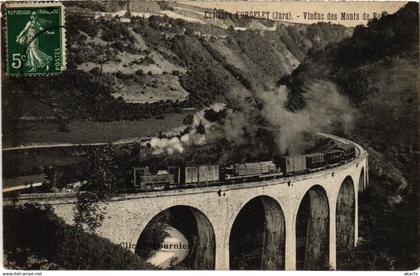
<point>35,37</point>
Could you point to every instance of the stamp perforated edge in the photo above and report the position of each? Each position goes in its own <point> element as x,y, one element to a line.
<point>31,4</point>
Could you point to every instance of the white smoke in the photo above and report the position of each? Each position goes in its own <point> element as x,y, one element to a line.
<point>166,145</point>
<point>325,108</point>
<point>288,127</point>
<point>193,137</point>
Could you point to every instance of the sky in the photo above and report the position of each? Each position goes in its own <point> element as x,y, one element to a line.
<point>297,10</point>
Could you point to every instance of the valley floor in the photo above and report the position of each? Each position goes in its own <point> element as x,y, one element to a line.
<point>81,132</point>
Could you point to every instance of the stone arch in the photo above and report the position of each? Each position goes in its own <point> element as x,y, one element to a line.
<point>345,219</point>
<point>257,236</point>
<point>312,230</point>
<point>193,224</point>
<point>362,184</point>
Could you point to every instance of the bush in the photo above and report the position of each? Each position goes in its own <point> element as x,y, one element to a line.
<point>140,72</point>
<point>34,230</point>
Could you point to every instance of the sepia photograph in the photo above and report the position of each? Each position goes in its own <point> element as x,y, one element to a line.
<point>210,135</point>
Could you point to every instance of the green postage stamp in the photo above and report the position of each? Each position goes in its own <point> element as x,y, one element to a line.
<point>35,37</point>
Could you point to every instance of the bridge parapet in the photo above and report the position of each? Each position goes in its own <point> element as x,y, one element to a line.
<point>219,206</point>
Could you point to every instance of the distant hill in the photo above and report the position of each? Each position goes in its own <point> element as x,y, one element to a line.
<point>377,68</point>
<point>151,65</point>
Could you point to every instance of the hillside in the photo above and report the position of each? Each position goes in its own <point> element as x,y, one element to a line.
<point>377,69</point>
<point>150,66</point>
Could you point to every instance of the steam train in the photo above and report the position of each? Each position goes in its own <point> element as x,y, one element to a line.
<point>149,179</point>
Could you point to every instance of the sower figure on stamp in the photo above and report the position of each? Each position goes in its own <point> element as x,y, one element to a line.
<point>35,58</point>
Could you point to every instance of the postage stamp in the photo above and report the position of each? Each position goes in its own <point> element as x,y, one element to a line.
<point>35,37</point>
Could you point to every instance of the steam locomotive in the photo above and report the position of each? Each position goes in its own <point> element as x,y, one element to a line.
<point>147,179</point>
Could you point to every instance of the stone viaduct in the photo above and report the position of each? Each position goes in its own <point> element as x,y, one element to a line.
<point>330,197</point>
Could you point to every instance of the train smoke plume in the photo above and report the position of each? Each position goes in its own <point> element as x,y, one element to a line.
<point>325,110</point>
<point>262,120</point>
<point>200,132</point>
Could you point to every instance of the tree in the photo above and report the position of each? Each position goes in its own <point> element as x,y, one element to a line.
<point>53,247</point>
<point>96,191</point>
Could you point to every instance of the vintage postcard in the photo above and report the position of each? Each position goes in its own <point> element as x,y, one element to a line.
<point>210,135</point>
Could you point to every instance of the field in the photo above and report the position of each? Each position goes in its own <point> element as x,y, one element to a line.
<point>80,132</point>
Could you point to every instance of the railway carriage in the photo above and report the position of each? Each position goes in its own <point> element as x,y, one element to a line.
<point>315,160</point>
<point>174,176</point>
<point>333,156</point>
<point>292,164</point>
<point>198,175</point>
<point>264,169</point>
<point>349,151</point>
